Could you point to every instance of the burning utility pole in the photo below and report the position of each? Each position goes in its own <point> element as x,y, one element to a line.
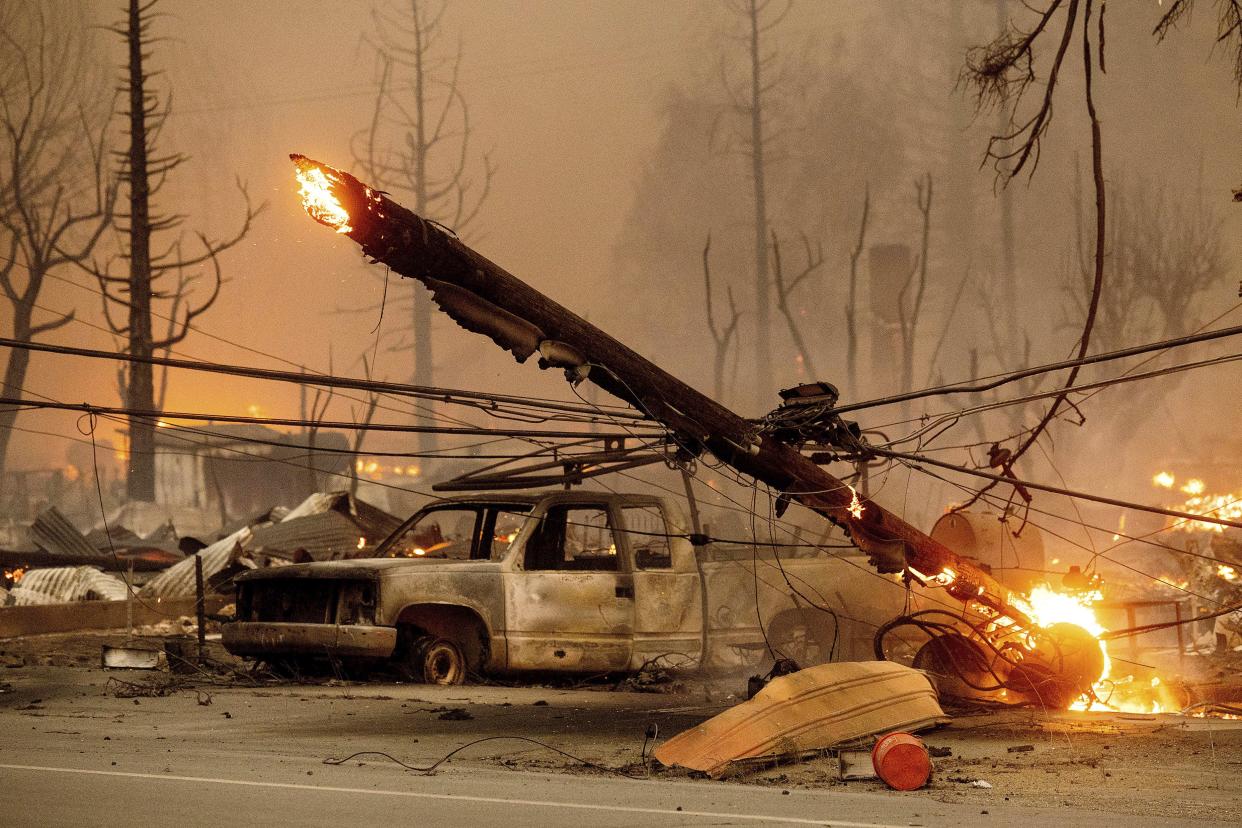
<point>483,298</point>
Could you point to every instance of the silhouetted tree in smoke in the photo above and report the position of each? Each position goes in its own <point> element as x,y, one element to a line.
<point>1002,71</point>
<point>155,274</point>
<point>751,100</point>
<point>723,336</point>
<point>420,143</point>
<point>56,197</point>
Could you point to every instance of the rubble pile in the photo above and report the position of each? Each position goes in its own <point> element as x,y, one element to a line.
<point>58,564</point>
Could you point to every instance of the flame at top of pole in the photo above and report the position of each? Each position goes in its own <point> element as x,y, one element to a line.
<point>319,200</point>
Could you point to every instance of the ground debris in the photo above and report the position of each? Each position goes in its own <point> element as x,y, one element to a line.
<point>156,688</point>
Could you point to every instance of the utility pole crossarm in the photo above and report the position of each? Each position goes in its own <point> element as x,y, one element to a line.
<point>484,298</point>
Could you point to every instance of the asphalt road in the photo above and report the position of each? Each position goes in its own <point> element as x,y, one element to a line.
<point>74,753</point>
<point>190,795</point>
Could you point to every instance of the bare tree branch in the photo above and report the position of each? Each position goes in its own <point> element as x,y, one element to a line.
<point>814,260</point>
<point>722,337</point>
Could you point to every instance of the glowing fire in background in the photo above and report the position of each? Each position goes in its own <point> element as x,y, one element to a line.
<point>1199,502</point>
<point>318,198</point>
<point>375,471</point>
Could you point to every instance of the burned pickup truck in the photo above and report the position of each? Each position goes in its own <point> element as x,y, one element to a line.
<point>565,581</point>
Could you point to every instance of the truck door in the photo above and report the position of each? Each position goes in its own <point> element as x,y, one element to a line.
<point>668,612</point>
<point>569,604</point>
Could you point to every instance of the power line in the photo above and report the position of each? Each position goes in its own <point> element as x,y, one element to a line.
<point>996,501</point>
<point>441,454</point>
<point>1109,501</point>
<point>446,395</point>
<point>1004,379</point>
<point>406,408</point>
<point>1095,387</point>
<point>117,411</point>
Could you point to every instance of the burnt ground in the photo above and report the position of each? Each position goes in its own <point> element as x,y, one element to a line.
<point>57,701</point>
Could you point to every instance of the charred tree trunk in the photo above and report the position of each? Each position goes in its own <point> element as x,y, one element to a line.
<point>140,390</point>
<point>419,143</point>
<point>851,304</point>
<point>424,365</point>
<point>14,380</point>
<point>1012,337</point>
<point>145,170</point>
<point>763,325</point>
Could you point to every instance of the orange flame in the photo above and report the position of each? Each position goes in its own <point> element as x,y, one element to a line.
<point>318,198</point>
<point>1200,502</point>
<point>856,505</point>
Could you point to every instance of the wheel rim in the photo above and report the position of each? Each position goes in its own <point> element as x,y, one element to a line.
<point>443,663</point>
<point>797,642</point>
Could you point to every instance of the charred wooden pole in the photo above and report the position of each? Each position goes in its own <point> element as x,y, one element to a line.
<point>484,298</point>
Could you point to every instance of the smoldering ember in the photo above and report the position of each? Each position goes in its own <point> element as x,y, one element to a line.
<point>694,412</point>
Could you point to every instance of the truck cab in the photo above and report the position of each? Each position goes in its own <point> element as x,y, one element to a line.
<point>569,581</point>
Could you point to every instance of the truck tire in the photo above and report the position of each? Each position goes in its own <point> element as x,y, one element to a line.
<point>433,660</point>
<point>800,636</point>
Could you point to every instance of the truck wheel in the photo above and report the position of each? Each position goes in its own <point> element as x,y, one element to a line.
<point>795,636</point>
<point>435,660</point>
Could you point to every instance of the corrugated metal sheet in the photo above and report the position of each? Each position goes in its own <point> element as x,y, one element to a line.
<point>325,536</point>
<point>328,526</point>
<point>316,504</point>
<point>65,584</point>
<point>178,580</point>
<point>819,707</point>
<point>145,519</point>
<point>52,532</point>
<point>377,523</point>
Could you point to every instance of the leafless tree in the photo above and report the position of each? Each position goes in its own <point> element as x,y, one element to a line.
<point>1165,254</point>
<point>312,414</point>
<point>751,99</point>
<point>56,197</point>
<point>420,141</point>
<point>144,171</point>
<point>1228,28</point>
<point>1000,73</point>
<point>910,298</point>
<point>723,335</point>
<point>851,300</point>
<point>785,289</point>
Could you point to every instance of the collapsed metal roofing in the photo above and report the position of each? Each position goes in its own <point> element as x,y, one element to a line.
<point>326,525</point>
<point>64,584</point>
<point>53,533</point>
<point>178,580</point>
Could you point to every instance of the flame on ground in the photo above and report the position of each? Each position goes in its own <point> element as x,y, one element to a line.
<point>317,196</point>
<point>1125,694</point>
<point>1199,502</point>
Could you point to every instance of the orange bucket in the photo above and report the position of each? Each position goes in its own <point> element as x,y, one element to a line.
<point>901,760</point>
